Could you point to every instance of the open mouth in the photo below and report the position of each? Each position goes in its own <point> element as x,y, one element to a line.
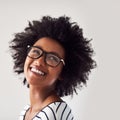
<point>37,71</point>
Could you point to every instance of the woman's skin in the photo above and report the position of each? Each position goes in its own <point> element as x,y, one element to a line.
<point>42,85</point>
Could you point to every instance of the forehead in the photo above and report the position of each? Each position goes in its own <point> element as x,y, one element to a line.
<point>50,45</point>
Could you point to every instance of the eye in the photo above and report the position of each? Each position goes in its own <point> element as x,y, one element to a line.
<point>52,59</point>
<point>34,52</point>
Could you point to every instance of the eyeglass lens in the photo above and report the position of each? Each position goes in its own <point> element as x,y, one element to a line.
<point>50,59</point>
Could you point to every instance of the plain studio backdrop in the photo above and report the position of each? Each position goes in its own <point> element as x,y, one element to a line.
<point>100,20</point>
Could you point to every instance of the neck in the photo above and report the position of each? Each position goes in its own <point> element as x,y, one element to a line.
<point>39,97</point>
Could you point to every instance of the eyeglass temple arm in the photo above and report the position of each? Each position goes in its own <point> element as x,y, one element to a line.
<point>63,61</point>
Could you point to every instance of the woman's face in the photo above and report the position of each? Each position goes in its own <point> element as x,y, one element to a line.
<point>37,71</point>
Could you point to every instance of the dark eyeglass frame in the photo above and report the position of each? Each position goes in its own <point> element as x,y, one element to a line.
<point>44,53</point>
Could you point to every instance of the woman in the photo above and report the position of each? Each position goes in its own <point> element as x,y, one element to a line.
<point>55,58</point>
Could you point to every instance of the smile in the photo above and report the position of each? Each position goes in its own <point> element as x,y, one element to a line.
<point>37,71</point>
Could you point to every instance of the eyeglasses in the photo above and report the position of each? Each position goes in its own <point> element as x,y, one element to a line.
<point>51,59</point>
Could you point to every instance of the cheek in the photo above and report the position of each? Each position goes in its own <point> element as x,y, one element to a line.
<point>55,74</point>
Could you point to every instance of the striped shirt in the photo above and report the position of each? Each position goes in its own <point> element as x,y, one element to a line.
<point>53,111</point>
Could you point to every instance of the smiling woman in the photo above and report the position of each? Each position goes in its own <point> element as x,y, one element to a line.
<point>44,69</point>
<point>55,58</point>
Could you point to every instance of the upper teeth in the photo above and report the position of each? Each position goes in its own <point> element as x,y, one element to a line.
<point>37,71</point>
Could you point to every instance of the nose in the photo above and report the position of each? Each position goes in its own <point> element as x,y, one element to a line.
<point>40,61</point>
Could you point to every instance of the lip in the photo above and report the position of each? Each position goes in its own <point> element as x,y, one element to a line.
<point>37,70</point>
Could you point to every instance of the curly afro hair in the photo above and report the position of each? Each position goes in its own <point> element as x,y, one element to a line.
<point>78,50</point>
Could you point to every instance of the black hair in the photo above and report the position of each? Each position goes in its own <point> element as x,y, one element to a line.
<point>78,50</point>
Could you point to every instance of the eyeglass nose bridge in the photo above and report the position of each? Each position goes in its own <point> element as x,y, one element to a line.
<point>43,54</point>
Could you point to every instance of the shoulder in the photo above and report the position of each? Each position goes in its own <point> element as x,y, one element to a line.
<point>56,111</point>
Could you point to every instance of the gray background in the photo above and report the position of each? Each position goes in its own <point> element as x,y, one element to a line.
<point>100,20</point>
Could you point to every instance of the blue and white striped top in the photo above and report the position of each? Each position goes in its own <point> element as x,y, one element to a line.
<point>53,111</point>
